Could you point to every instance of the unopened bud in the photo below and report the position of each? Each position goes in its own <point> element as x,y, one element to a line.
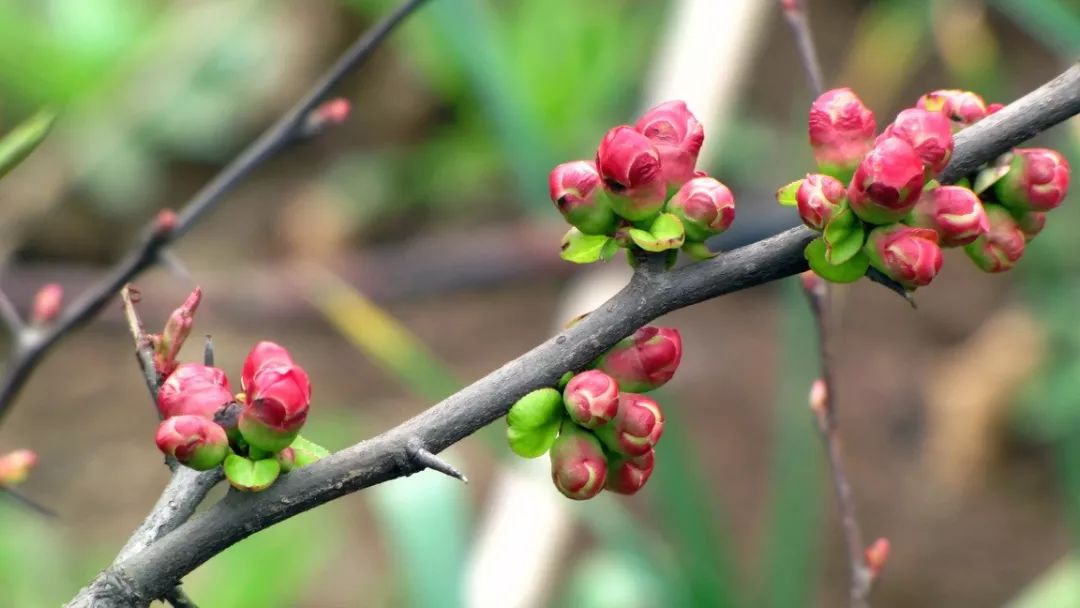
<point>841,131</point>
<point>1002,246</point>
<point>887,182</point>
<point>677,135</point>
<point>819,198</point>
<point>329,113</point>
<point>628,475</point>
<point>629,166</point>
<point>177,329</point>
<point>819,397</point>
<point>962,107</point>
<point>591,398</point>
<point>578,466</point>
<point>876,556</point>
<point>929,133</point>
<point>705,206</point>
<point>1031,223</point>
<point>909,256</point>
<point>165,222</point>
<point>277,407</point>
<point>15,467</point>
<point>576,190</point>
<point>47,304</point>
<point>194,389</point>
<point>194,441</point>
<point>1038,180</point>
<point>954,212</point>
<point>644,361</point>
<point>287,459</point>
<point>636,428</point>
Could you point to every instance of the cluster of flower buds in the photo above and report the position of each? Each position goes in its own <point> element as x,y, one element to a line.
<point>878,204</point>
<point>642,191</point>
<point>253,433</point>
<point>601,430</point>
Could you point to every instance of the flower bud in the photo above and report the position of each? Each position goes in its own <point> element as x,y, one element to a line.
<point>1031,223</point>
<point>841,131</point>
<point>578,466</point>
<point>194,441</point>
<point>591,398</point>
<point>705,206</point>
<point>194,389</point>
<point>47,303</point>
<point>929,133</point>
<point>287,459</point>
<point>876,555</point>
<point>329,113</point>
<point>15,467</point>
<point>677,136</point>
<point>1002,246</point>
<point>578,194</point>
<point>887,182</point>
<point>964,107</point>
<point>629,166</point>
<point>277,407</point>
<point>636,428</point>
<point>262,354</point>
<point>1037,180</point>
<point>819,397</point>
<point>165,222</point>
<point>177,329</point>
<point>954,212</point>
<point>644,361</point>
<point>819,198</point>
<point>628,475</point>
<point>909,256</point>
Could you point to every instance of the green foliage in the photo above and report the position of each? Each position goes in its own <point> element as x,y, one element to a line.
<point>21,141</point>
<point>581,248</point>
<point>665,232</point>
<point>251,475</point>
<point>844,237</point>
<point>847,272</point>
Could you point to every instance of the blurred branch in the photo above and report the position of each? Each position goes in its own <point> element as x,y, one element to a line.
<point>798,19</point>
<point>30,347</point>
<point>9,316</point>
<point>152,572</point>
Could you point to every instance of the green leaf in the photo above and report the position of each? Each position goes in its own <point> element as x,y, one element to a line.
<point>581,248</point>
<point>307,451</point>
<point>786,195</point>
<point>21,141</point>
<point>989,176</point>
<point>698,251</point>
<point>848,272</point>
<point>536,409</point>
<point>532,442</point>
<point>251,475</point>
<point>844,236</point>
<point>665,232</point>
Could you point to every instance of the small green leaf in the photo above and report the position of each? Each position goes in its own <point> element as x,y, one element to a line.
<point>786,195</point>
<point>536,409</point>
<point>532,442</point>
<point>848,272</point>
<point>21,141</point>
<point>698,251</point>
<point>989,176</point>
<point>665,232</point>
<point>251,475</point>
<point>307,452</point>
<point>844,236</point>
<point>581,248</point>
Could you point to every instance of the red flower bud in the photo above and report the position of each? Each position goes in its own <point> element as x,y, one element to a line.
<point>909,256</point>
<point>644,361</point>
<point>177,329</point>
<point>194,389</point>
<point>628,475</point>
<point>887,183</point>
<point>819,198</point>
<point>954,212</point>
<point>1002,246</point>
<point>636,428</point>
<point>262,354</point>
<point>578,194</point>
<point>876,555</point>
<point>929,133</point>
<point>287,459</point>
<point>165,222</point>
<point>1031,223</point>
<point>963,107</point>
<point>841,131</point>
<point>1037,180</point>
<point>591,398</point>
<point>677,136</point>
<point>15,467</point>
<point>47,303</point>
<point>705,206</point>
<point>993,108</point>
<point>277,406</point>
<point>194,441</point>
<point>578,466</point>
<point>630,168</point>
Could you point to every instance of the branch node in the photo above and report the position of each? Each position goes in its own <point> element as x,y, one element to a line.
<point>421,456</point>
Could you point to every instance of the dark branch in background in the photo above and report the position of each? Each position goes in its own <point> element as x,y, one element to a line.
<point>798,19</point>
<point>30,347</point>
<point>9,316</point>
<point>153,571</point>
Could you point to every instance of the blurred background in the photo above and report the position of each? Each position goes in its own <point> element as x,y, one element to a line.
<point>413,249</point>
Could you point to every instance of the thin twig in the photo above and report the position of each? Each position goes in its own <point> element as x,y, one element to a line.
<point>179,599</point>
<point>9,316</point>
<point>796,13</point>
<point>288,129</point>
<point>144,350</point>
<point>153,571</point>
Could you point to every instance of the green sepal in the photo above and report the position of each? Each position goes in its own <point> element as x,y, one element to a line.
<point>21,141</point>
<point>848,272</point>
<point>307,452</point>
<point>988,177</point>
<point>566,378</point>
<point>665,232</point>
<point>844,236</point>
<point>251,475</point>
<point>532,442</point>
<point>698,251</point>
<point>581,248</point>
<point>786,195</point>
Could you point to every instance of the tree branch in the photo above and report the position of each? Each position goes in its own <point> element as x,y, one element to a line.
<point>152,572</point>
<point>798,19</point>
<point>30,348</point>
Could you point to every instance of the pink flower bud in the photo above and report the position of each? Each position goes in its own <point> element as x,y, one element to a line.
<point>636,428</point>
<point>628,475</point>
<point>909,256</point>
<point>287,459</point>
<point>876,555</point>
<point>277,407</point>
<point>578,194</point>
<point>993,108</point>
<point>1031,223</point>
<point>177,329</point>
<point>578,466</point>
<point>630,168</point>
<point>644,361</point>
<point>47,303</point>
<point>165,222</point>
<point>194,389</point>
<point>262,354</point>
<point>677,136</point>
<point>1002,246</point>
<point>887,183</point>
<point>705,207</point>
<point>1037,180</point>
<point>591,398</point>
<point>954,212</point>
<point>929,133</point>
<point>194,441</point>
<point>15,467</point>
<point>841,131</point>
<point>963,107</point>
<point>819,397</point>
<point>819,198</point>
